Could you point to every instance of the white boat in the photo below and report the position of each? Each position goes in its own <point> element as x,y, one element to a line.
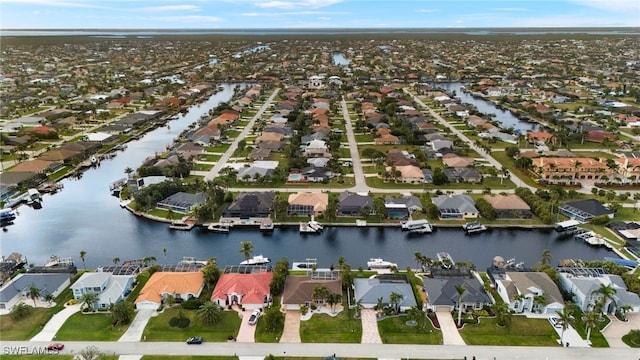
<point>58,261</point>
<point>315,225</point>
<point>305,228</point>
<point>414,224</point>
<point>33,196</point>
<point>474,227</point>
<point>256,260</point>
<point>219,227</point>
<point>445,259</point>
<point>378,263</point>
<point>423,229</point>
<point>7,215</point>
<point>179,225</point>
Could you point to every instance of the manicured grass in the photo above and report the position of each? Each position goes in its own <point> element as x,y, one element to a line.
<point>596,337</point>
<point>627,339</point>
<point>203,167</point>
<point>364,138</point>
<point>218,148</point>
<point>25,328</point>
<point>505,160</point>
<point>158,328</point>
<point>141,280</point>
<point>394,330</point>
<point>322,328</point>
<point>232,134</point>
<point>187,357</point>
<point>489,182</point>
<point>522,332</point>
<point>36,357</point>
<point>90,327</point>
<point>209,157</point>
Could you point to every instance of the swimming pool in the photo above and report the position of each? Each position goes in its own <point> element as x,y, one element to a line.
<point>295,177</point>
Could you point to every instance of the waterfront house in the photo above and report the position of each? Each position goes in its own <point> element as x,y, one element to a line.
<point>351,204</point>
<point>456,207</point>
<point>111,289</point>
<point>401,208</point>
<point>455,161</point>
<point>298,289</point>
<point>583,284</point>
<point>568,170</point>
<point>182,202</point>
<point>255,204</point>
<point>17,289</point>
<point>180,285</point>
<point>367,291</point>
<point>528,291</point>
<point>470,175</point>
<point>250,291</point>
<point>307,204</point>
<point>442,294</point>
<point>585,210</point>
<point>509,206</point>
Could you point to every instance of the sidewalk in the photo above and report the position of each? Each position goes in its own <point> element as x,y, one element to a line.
<point>50,330</point>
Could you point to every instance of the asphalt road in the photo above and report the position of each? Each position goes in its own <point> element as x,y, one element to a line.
<point>341,350</point>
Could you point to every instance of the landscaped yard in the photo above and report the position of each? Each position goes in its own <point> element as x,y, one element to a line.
<point>25,328</point>
<point>494,183</point>
<point>90,327</point>
<point>522,332</point>
<point>158,328</point>
<point>209,157</point>
<point>220,148</point>
<point>322,328</point>
<point>394,330</point>
<point>203,167</point>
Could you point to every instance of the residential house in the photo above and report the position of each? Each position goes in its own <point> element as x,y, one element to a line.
<point>543,136</point>
<point>410,174</point>
<point>455,207</point>
<point>315,173</point>
<point>442,294</point>
<point>256,204</point>
<point>401,208</point>
<point>250,291</point>
<point>111,289</point>
<point>455,161</point>
<point>367,291</point>
<point>351,204</point>
<point>180,285</point>
<point>558,169</point>
<point>17,289</point>
<point>252,172</point>
<point>528,291</point>
<point>509,206</point>
<point>307,204</point>
<point>182,202</point>
<point>584,283</point>
<point>585,210</point>
<point>298,289</point>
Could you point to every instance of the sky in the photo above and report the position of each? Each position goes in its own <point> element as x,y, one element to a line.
<point>283,14</point>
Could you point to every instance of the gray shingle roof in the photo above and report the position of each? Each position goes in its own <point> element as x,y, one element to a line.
<point>369,290</point>
<point>443,291</point>
<point>47,283</point>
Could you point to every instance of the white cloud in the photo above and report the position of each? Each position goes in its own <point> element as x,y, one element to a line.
<point>613,5</point>
<point>289,13</point>
<point>172,8</point>
<point>189,18</point>
<point>314,4</point>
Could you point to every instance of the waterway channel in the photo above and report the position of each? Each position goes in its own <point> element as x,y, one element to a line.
<point>85,217</point>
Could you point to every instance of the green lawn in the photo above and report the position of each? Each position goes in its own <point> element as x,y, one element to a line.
<point>90,327</point>
<point>394,330</point>
<point>209,157</point>
<point>493,183</point>
<point>217,149</point>
<point>322,328</point>
<point>596,337</point>
<point>158,328</point>
<point>522,332</point>
<point>187,357</point>
<point>25,328</point>
<point>364,138</point>
<point>203,167</point>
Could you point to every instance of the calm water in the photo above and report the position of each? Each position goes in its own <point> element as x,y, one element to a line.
<point>339,59</point>
<point>85,217</point>
<point>506,118</point>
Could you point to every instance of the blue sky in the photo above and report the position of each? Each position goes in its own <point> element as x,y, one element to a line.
<point>257,14</point>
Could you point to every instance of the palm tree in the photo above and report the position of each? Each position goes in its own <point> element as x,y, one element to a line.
<point>128,171</point>
<point>395,299</point>
<point>246,248</point>
<point>520,297</point>
<point>358,307</point>
<point>546,257</point>
<point>540,301</point>
<point>590,322</point>
<point>49,298</point>
<point>379,304</point>
<point>88,299</point>
<point>418,257</point>
<point>416,315</point>
<point>34,293</point>
<point>502,312</point>
<point>319,292</point>
<point>607,292</point>
<point>20,310</point>
<point>564,318</point>
<point>333,299</point>
<point>460,289</point>
<point>116,260</point>
<point>210,313</point>
<point>148,259</point>
<point>82,255</point>
<point>164,252</point>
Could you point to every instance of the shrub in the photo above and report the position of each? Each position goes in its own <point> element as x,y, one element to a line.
<point>477,313</point>
<point>181,321</point>
<point>191,304</point>
<point>303,310</point>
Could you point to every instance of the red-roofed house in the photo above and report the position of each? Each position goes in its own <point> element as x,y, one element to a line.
<point>543,136</point>
<point>250,291</point>
<point>599,136</point>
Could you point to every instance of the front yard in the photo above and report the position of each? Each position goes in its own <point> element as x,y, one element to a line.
<point>521,332</point>
<point>394,330</point>
<point>90,327</point>
<point>158,328</point>
<point>322,328</point>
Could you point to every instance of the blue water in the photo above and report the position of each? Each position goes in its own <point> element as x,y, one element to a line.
<point>339,59</point>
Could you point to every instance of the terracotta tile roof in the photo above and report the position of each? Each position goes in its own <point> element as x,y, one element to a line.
<point>507,202</point>
<point>253,287</point>
<point>319,201</point>
<point>171,283</point>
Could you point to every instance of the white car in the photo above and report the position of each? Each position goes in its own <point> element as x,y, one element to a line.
<point>253,319</point>
<point>554,321</point>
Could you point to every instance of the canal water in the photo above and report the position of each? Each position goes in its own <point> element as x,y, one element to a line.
<point>339,59</point>
<point>505,117</point>
<point>85,217</point>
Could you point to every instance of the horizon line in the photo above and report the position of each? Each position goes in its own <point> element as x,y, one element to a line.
<point>320,28</point>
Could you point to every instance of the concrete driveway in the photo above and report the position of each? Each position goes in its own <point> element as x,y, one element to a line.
<point>291,332</point>
<point>247,332</point>
<point>370,333</point>
<point>134,332</point>
<point>450,334</point>
<point>616,329</point>
<point>51,328</point>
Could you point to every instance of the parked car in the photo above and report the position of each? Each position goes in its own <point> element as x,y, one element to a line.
<point>194,340</point>
<point>254,317</point>
<point>554,321</point>
<point>55,346</point>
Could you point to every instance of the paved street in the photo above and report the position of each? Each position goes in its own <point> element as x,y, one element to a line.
<point>361,184</point>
